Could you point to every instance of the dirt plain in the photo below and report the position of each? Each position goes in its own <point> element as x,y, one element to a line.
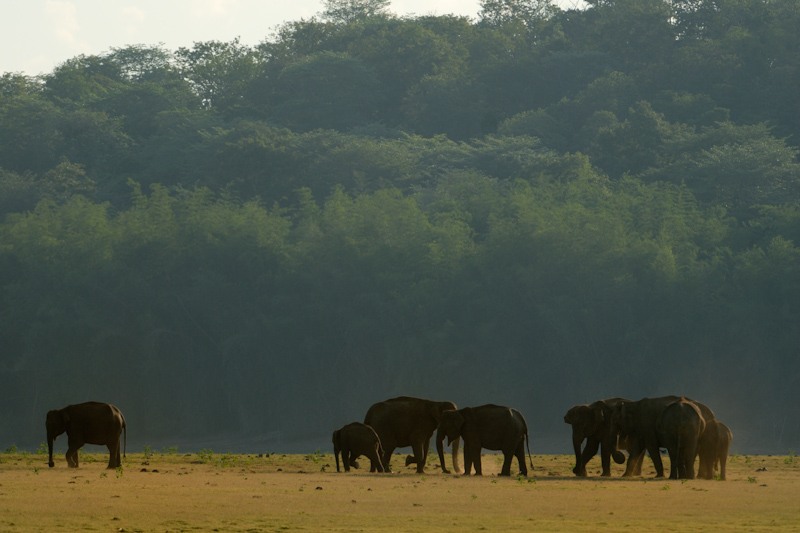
<point>206,491</point>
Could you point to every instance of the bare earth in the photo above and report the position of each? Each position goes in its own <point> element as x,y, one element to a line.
<point>216,492</point>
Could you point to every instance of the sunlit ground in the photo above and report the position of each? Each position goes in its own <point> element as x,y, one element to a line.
<point>173,491</point>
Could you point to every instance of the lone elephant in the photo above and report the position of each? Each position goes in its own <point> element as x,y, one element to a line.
<point>493,427</point>
<point>592,423</point>
<point>87,423</point>
<point>357,439</point>
<point>637,422</point>
<point>679,427</point>
<point>409,421</point>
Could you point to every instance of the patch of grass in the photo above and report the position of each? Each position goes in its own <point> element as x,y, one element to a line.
<point>316,456</point>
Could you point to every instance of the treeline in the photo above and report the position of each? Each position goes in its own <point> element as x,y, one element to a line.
<point>536,208</point>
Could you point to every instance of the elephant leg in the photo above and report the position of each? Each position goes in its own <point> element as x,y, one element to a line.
<point>74,443</point>
<point>634,466</point>
<point>476,460</point>
<point>689,456</point>
<point>637,464</point>
<point>112,457</point>
<point>605,460</point>
<point>419,457</point>
<point>655,455</point>
<point>375,461</point>
<point>117,454</point>
<point>353,460</point>
<point>346,458</point>
<point>468,458</point>
<point>386,460</point>
<point>674,464</point>
<point>689,468</point>
<point>507,459</point>
<point>520,455</point>
<point>72,457</point>
<point>589,451</point>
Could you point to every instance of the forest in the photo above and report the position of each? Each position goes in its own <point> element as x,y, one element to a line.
<point>538,207</point>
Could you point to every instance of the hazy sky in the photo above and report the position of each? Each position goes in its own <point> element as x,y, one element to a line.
<point>38,35</point>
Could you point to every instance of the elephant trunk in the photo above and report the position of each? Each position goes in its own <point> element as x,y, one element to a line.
<point>577,440</point>
<point>337,446</point>
<point>440,449</point>
<point>456,443</point>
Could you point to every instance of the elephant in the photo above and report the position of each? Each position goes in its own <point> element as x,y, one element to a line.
<point>87,423</point>
<point>409,421</point>
<point>719,437</point>
<point>593,423</point>
<point>637,422</point>
<point>493,427</point>
<point>357,439</point>
<point>679,427</point>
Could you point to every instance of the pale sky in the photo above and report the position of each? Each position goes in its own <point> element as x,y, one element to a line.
<point>38,35</point>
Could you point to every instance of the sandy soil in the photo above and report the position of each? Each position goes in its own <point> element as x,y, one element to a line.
<point>226,492</point>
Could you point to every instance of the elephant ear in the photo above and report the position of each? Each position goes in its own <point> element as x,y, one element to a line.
<point>434,410</point>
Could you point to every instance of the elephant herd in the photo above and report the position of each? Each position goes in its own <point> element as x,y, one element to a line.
<point>408,421</point>
<point>686,428</point>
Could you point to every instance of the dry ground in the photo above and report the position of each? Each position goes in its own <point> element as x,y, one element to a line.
<point>215,492</point>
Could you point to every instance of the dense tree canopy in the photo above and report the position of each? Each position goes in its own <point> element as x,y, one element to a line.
<point>539,208</point>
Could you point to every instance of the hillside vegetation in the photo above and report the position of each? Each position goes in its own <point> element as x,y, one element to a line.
<point>536,208</point>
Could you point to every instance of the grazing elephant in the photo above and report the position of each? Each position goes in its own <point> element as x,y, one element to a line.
<point>493,427</point>
<point>679,427</point>
<point>719,437</point>
<point>87,423</point>
<point>637,422</point>
<point>593,423</point>
<point>408,421</point>
<point>356,439</point>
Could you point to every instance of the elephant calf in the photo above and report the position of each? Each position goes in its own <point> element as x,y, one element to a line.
<point>357,439</point>
<point>87,423</point>
<point>720,437</point>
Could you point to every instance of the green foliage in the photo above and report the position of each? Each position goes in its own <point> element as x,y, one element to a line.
<point>327,90</point>
<point>608,194</point>
<point>347,11</point>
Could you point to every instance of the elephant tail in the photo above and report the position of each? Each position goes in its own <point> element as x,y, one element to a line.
<point>125,442</point>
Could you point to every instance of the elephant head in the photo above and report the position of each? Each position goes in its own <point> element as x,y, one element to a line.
<point>451,423</point>
<point>438,411</point>
<point>594,421</point>
<point>625,419</point>
<point>56,424</point>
